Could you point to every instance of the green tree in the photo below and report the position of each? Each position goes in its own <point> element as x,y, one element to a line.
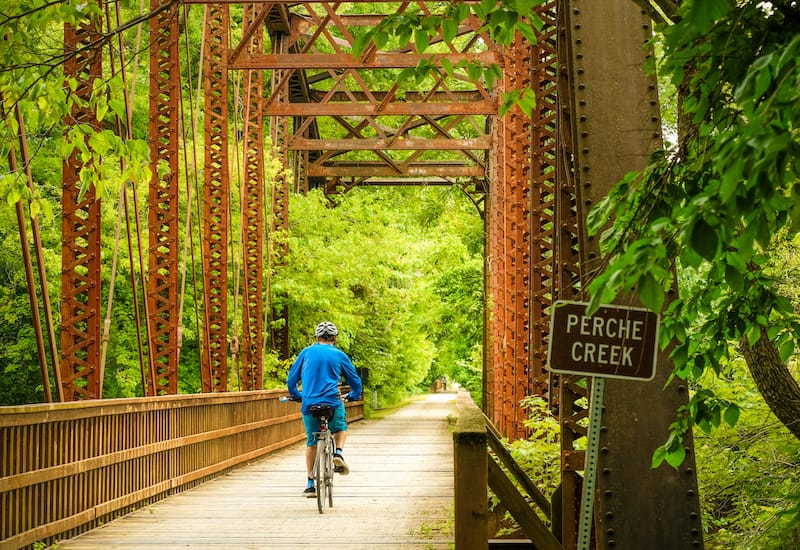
<point>372,264</point>
<point>719,205</point>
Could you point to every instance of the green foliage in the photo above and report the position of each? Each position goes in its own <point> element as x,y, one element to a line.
<point>540,454</point>
<point>503,20</point>
<point>381,265</point>
<point>720,204</point>
<point>749,473</point>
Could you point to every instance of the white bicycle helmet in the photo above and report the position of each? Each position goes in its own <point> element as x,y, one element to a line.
<point>326,330</point>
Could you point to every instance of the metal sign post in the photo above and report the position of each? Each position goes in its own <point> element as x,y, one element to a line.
<point>590,468</point>
<point>612,342</point>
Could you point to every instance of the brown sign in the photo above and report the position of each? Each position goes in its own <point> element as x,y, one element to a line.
<point>613,342</point>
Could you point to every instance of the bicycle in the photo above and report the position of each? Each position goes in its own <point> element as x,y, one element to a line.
<point>323,464</point>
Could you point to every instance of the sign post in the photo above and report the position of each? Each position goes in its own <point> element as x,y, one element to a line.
<point>612,342</point>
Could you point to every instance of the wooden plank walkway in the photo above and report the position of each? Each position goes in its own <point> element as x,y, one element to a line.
<point>399,494</point>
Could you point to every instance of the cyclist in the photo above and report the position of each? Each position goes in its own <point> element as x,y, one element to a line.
<point>318,369</point>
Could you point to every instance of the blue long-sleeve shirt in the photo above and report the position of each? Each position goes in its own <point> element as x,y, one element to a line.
<point>319,367</point>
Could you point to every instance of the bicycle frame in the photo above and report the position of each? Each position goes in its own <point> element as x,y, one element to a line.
<point>323,465</point>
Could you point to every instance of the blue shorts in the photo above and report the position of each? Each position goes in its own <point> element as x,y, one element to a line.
<point>336,424</point>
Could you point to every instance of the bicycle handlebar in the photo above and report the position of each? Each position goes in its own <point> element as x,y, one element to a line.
<point>287,399</point>
<point>344,397</point>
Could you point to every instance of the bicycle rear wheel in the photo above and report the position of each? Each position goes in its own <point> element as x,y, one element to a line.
<point>329,472</point>
<point>320,467</point>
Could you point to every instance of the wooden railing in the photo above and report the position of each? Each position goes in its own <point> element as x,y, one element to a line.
<point>477,470</point>
<point>66,467</point>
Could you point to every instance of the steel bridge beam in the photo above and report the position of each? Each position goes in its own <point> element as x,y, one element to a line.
<point>162,282</point>
<point>216,200</point>
<point>252,341</point>
<point>80,228</point>
<point>615,126</point>
<point>279,133</point>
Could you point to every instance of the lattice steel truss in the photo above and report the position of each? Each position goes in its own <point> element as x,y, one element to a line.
<point>252,341</point>
<point>570,393</point>
<point>279,133</point>
<point>162,284</point>
<point>80,226</point>
<point>216,199</point>
<point>381,136</point>
<point>508,253</point>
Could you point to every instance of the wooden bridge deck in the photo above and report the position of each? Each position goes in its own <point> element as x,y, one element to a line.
<point>399,494</point>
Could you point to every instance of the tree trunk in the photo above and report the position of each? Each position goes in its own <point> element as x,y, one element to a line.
<point>773,379</point>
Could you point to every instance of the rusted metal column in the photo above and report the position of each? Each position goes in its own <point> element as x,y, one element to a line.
<point>279,132</point>
<point>492,314</point>
<point>162,283</point>
<point>253,215</point>
<point>80,230</point>
<point>544,157</point>
<point>508,255</point>
<point>616,124</point>
<point>570,393</point>
<point>215,199</point>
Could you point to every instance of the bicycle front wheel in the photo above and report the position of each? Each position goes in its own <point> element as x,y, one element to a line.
<point>320,467</point>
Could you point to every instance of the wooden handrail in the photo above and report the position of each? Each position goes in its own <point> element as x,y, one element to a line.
<point>476,471</point>
<point>496,444</point>
<point>66,467</point>
<point>471,476</point>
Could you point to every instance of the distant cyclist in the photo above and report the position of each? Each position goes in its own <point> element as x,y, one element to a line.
<point>318,369</point>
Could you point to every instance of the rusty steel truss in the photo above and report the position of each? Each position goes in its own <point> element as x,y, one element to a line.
<point>252,346</point>
<point>162,290</point>
<point>533,177</point>
<point>80,229</point>
<point>216,190</point>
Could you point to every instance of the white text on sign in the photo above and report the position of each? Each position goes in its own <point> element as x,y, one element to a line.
<point>613,341</point>
<point>612,327</point>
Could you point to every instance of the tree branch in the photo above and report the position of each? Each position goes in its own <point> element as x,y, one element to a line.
<point>774,380</point>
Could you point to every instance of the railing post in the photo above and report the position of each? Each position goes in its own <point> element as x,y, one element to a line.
<point>471,476</point>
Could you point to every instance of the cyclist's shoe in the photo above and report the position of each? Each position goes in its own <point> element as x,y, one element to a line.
<point>339,465</point>
<point>310,492</point>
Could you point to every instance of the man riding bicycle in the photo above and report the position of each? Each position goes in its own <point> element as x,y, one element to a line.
<point>318,369</point>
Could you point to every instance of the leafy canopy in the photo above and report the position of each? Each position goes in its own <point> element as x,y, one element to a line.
<point>717,206</point>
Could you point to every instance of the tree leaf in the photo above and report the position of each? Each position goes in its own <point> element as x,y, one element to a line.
<point>659,455</point>
<point>449,30</point>
<point>753,333</point>
<point>421,40</point>
<point>675,457</point>
<point>704,239</point>
<point>786,349</point>
<point>732,414</point>
<point>651,293</point>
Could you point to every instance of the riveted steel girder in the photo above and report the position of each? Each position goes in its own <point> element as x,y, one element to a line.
<point>615,126</point>
<point>216,200</point>
<point>252,340</point>
<point>80,227</point>
<point>509,252</point>
<point>279,186</point>
<point>543,220</point>
<point>520,233</point>
<point>162,283</point>
<point>569,393</point>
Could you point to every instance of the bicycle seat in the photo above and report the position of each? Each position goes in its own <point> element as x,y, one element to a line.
<point>321,411</point>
